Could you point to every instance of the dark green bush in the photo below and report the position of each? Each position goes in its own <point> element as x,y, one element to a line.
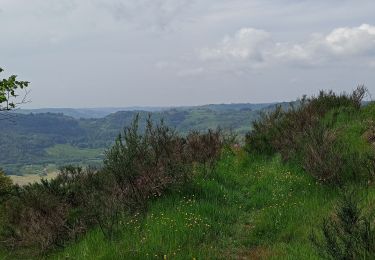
<point>265,131</point>
<point>348,233</point>
<point>5,186</point>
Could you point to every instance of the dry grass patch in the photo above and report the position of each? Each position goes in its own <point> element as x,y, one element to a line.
<point>32,178</point>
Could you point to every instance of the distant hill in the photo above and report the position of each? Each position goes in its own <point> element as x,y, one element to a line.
<point>87,112</point>
<point>62,136</point>
<point>103,112</point>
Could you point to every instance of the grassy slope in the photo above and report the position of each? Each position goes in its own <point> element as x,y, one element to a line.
<point>249,208</point>
<point>246,208</point>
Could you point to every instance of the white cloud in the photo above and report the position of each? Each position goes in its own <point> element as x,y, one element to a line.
<point>352,41</point>
<point>257,47</point>
<point>339,44</point>
<point>247,43</point>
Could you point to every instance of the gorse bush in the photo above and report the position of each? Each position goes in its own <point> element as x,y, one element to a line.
<point>302,133</point>
<point>321,157</point>
<point>265,131</point>
<point>145,165</point>
<point>138,167</point>
<point>204,148</point>
<point>35,218</point>
<point>283,130</point>
<point>330,158</point>
<point>348,233</point>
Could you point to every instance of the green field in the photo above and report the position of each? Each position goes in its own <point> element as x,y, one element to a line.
<point>57,156</point>
<point>70,153</point>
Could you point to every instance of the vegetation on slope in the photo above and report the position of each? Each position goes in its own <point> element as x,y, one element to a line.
<point>43,216</point>
<point>246,208</point>
<point>161,195</point>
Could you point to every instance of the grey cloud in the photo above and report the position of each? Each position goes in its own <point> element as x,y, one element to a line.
<point>157,14</point>
<point>257,47</point>
<point>179,51</point>
<point>191,72</point>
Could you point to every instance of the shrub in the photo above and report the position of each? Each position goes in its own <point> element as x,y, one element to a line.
<point>35,218</point>
<point>265,131</point>
<point>138,167</point>
<point>204,148</point>
<point>320,158</point>
<point>281,130</point>
<point>348,234</point>
<point>46,215</point>
<point>144,165</point>
<point>302,134</point>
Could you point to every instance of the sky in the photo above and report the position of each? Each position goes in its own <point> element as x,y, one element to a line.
<point>119,53</point>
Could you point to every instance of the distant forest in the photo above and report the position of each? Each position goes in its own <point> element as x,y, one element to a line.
<point>37,137</point>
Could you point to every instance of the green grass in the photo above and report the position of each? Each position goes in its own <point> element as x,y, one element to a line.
<point>247,207</point>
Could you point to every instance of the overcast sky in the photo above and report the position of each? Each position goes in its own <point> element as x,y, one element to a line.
<point>99,53</point>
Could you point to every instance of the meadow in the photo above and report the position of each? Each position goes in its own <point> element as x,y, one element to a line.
<point>247,208</point>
